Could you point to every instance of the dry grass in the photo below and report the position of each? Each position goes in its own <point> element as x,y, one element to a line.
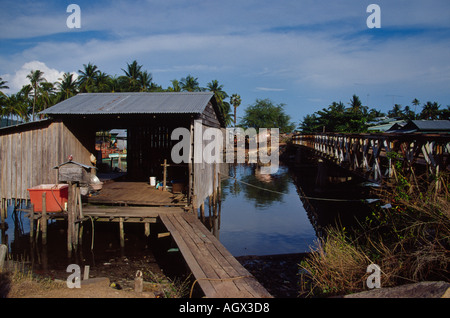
<point>336,267</point>
<point>409,241</point>
<point>19,282</point>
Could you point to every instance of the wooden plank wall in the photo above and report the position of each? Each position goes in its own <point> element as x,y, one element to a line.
<point>205,176</point>
<point>209,117</point>
<point>29,153</point>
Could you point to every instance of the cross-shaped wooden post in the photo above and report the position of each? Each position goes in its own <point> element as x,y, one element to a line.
<point>165,165</point>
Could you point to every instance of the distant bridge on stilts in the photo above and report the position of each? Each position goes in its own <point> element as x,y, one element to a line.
<point>374,156</point>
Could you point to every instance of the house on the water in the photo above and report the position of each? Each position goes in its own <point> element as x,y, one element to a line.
<point>29,152</point>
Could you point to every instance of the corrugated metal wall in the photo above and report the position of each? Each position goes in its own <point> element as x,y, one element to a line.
<point>29,153</point>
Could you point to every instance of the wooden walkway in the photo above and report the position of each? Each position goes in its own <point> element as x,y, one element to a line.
<point>134,193</point>
<point>217,272</point>
<point>129,214</point>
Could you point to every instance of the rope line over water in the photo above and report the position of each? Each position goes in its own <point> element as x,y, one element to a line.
<point>301,196</point>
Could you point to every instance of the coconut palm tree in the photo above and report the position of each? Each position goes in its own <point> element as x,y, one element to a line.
<point>220,96</point>
<point>355,104</point>
<point>190,84</point>
<point>133,72</point>
<point>145,81</point>
<point>396,111</point>
<point>47,94</point>
<point>235,100</point>
<point>416,103</point>
<point>114,83</point>
<point>218,91</point>
<point>226,112</point>
<point>17,106</point>
<point>67,87</point>
<point>35,78</point>
<point>430,111</point>
<point>87,78</point>
<point>175,86</point>
<point>3,85</point>
<point>102,82</point>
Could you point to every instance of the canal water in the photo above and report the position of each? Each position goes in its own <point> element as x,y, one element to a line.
<point>262,214</point>
<point>259,214</point>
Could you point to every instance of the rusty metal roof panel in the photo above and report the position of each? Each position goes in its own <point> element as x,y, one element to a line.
<point>132,103</point>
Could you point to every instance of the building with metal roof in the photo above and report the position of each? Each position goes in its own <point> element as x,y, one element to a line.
<point>133,103</point>
<point>149,120</point>
<point>424,126</point>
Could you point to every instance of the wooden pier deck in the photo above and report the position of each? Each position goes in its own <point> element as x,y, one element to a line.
<point>217,272</point>
<point>134,193</point>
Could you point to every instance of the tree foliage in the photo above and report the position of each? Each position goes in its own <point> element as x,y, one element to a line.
<point>356,118</point>
<point>265,114</point>
<point>41,94</point>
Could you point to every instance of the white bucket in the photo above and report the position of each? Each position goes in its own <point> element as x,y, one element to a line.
<point>153,181</point>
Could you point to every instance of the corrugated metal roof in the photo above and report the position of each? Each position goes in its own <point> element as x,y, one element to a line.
<point>132,103</point>
<point>432,124</point>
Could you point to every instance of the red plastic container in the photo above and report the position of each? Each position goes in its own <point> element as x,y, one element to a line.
<point>56,197</point>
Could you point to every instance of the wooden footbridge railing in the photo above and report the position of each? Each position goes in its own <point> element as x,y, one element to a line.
<point>373,155</point>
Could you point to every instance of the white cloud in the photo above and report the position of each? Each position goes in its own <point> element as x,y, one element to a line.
<point>270,89</point>
<point>17,80</point>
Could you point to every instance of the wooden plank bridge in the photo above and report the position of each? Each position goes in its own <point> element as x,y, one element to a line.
<point>214,268</point>
<point>373,156</point>
<point>217,272</point>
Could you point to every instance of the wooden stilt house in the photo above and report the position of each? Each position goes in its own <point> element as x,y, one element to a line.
<point>29,152</point>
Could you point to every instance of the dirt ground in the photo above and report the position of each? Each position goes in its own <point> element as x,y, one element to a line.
<point>278,274</point>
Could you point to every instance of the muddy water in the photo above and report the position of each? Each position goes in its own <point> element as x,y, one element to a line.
<point>265,214</point>
<point>259,215</point>
<point>154,256</point>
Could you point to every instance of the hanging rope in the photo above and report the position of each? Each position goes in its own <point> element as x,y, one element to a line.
<point>301,196</point>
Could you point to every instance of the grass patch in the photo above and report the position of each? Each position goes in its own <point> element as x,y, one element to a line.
<point>408,236</point>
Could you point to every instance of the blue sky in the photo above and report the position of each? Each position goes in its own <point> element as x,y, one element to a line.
<point>303,53</point>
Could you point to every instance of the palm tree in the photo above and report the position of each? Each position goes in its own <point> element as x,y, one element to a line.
<point>17,105</point>
<point>3,85</point>
<point>355,104</point>
<point>47,92</point>
<point>430,110</point>
<point>175,86</point>
<point>396,111</point>
<point>133,72</point>
<point>67,86</point>
<point>226,112</point>
<point>220,96</point>
<point>416,103</point>
<point>87,78</point>
<point>113,83</point>
<point>102,82</point>
<point>190,84</point>
<point>235,100</point>
<point>35,78</point>
<point>145,81</point>
<point>218,91</point>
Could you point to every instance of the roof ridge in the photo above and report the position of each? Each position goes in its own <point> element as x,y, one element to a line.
<point>145,93</point>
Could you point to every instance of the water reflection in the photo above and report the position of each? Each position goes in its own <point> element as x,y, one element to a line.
<point>284,212</point>
<point>256,214</point>
<point>263,214</point>
<point>263,190</point>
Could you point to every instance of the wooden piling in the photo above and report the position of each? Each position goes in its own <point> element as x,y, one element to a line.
<point>70,220</point>
<point>202,211</point>
<point>3,252</point>
<point>2,213</point>
<point>32,223</point>
<point>122,233</point>
<point>44,218</point>
<point>147,229</point>
<point>165,175</point>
